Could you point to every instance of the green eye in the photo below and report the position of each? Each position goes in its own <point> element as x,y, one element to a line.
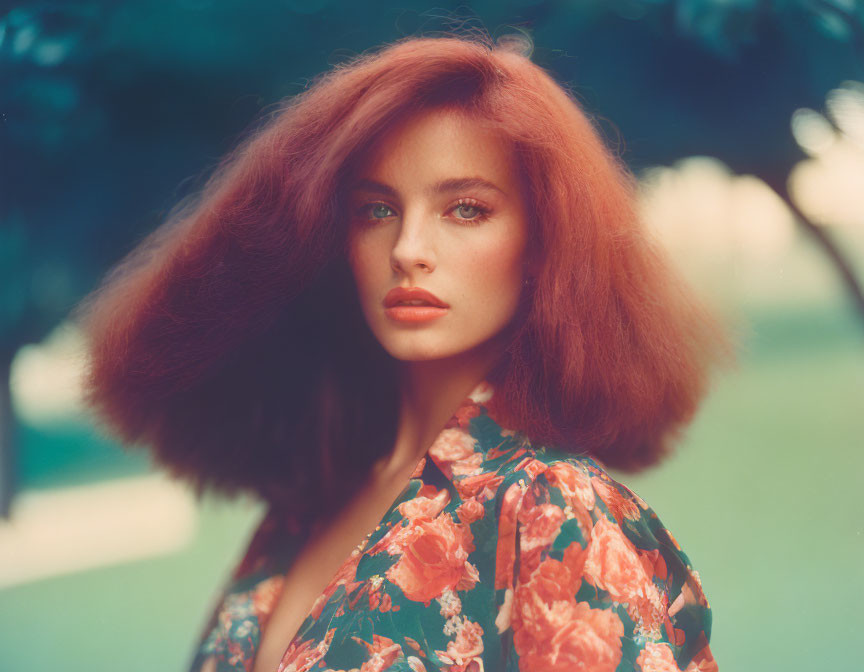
<point>471,215</point>
<point>468,212</point>
<point>372,212</point>
<point>379,211</point>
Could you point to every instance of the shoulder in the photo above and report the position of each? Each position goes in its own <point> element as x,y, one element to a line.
<point>577,546</point>
<point>578,487</point>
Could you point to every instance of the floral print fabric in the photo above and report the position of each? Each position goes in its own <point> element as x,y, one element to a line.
<point>497,556</point>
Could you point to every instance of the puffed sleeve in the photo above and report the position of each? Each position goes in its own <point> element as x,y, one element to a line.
<point>589,579</point>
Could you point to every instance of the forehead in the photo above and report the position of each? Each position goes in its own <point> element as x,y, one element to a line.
<point>436,144</point>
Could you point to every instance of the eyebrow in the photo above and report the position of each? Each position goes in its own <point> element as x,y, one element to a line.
<point>448,185</point>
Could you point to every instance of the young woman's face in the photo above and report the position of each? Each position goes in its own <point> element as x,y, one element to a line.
<point>437,207</point>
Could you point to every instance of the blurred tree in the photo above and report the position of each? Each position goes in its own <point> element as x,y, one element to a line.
<point>108,106</point>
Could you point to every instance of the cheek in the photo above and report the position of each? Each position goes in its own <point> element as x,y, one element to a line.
<point>497,275</point>
<point>362,257</point>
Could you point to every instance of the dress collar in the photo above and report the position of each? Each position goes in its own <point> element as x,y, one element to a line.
<point>464,459</point>
<point>472,445</point>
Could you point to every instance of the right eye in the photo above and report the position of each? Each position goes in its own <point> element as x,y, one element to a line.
<point>373,211</point>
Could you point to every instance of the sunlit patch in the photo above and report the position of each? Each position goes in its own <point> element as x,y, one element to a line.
<point>73,529</point>
<point>828,186</point>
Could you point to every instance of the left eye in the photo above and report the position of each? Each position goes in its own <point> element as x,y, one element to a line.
<point>470,212</point>
<point>468,215</point>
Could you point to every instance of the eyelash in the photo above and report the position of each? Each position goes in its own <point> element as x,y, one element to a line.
<point>483,211</point>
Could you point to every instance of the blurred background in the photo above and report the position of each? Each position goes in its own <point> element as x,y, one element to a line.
<point>744,121</point>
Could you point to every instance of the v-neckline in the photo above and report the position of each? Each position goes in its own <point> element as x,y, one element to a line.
<point>426,471</point>
<point>433,468</point>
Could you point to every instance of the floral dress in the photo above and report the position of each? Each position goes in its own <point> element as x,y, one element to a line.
<point>497,556</point>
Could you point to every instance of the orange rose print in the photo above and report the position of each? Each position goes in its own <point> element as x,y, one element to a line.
<point>477,566</point>
<point>574,485</point>
<point>434,556</point>
<point>451,447</point>
<point>428,503</point>
<point>613,564</point>
<point>467,646</point>
<point>301,657</point>
<point>619,506</point>
<point>482,486</point>
<point>470,510</point>
<point>382,653</point>
<point>657,657</point>
<point>540,525</point>
<point>505,551</point>
<point>552,632</point>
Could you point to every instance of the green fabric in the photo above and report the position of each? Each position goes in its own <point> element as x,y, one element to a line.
<point>497,556</point>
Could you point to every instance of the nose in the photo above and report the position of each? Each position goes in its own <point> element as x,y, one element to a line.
<point>413,251</point>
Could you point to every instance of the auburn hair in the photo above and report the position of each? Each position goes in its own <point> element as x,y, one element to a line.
<point>209,343</point>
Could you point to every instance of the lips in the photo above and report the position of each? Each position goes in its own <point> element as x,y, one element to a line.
<point>412,296</point>
<point>413,307</point>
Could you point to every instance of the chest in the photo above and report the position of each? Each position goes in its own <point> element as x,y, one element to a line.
<point>327,559</point>
<point>421,589</point>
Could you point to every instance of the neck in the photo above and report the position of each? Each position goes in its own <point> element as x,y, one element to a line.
<point>430,392</point>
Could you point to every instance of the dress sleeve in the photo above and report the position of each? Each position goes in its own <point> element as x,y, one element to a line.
<point>595,582</point>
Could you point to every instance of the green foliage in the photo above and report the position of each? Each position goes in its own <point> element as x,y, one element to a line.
<point>108,106</point>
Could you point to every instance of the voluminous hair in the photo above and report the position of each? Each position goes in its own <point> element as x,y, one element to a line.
<point>214,344</point>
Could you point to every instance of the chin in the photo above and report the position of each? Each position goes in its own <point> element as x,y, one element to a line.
<point>416,350</point>
<point>418,354</point>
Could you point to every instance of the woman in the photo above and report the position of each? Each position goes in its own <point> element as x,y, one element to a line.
<point>416,312</point>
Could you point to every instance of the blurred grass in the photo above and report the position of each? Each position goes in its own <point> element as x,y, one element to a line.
<point>142,615</point>
<point>764,496</point>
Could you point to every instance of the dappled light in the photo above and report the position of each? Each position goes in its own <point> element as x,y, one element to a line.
<point>829,185</point>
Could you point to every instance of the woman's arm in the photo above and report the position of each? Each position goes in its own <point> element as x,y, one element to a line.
<point>597,579</point>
